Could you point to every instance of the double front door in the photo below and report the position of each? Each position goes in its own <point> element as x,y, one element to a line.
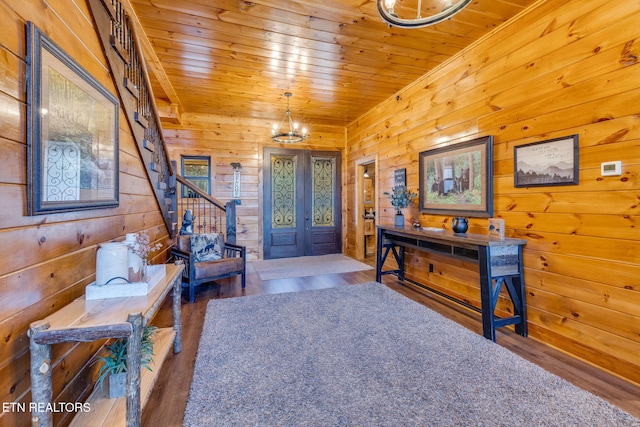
<point>302,203</point>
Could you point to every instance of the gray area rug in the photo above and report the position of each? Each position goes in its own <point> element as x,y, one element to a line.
<point>285,268</point>
<point>364,355</point>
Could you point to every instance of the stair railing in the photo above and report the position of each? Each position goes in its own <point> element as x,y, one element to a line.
<point>209,214</point>
<point>131,78</point>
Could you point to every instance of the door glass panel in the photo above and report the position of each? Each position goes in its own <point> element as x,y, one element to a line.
<point>322,198</point>
<point>283,188</point>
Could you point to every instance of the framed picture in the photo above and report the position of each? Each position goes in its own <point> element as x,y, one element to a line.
<point>457,179</point>
<point>496,227</point>
<point>400,177</point>
<point>368,191</point>
<point>72,133</point>
<point>550,162</point>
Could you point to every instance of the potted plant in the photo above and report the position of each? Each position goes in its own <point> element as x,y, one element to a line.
<point>400,198</point>
<point>114,363</point>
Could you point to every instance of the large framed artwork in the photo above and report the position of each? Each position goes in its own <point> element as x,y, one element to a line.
<point>72,133</point>
<point>546,163</point>
<point>457,179</point>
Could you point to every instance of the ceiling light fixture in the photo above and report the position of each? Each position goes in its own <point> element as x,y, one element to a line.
<point>366,172</point>
<point>450,8</point>
<point>280,134</point>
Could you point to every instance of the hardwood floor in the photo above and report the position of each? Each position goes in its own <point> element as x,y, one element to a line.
<point>169,397</point>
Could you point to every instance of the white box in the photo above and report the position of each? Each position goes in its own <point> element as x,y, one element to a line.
<point>119,290</point>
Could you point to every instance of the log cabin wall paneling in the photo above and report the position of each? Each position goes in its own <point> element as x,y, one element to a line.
<point>237,139</point>
<point>560,68</point>
<point>48,260</point>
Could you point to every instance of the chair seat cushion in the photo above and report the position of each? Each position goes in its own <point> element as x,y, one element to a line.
<point>207,247</point>
<point>217,268</point>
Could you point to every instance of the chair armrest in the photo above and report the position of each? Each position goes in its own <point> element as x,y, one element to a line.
<point>178,253</point>
<point>233,250</point>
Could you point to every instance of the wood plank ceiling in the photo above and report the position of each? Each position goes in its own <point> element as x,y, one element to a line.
<point>237,58</point>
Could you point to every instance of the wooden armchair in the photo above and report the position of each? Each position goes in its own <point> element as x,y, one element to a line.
<point>207,258</point>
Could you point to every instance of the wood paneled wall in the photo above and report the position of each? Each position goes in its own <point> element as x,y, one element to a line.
<point>230,139</point>
<point>561,68</point>
<point>48,260</point>
<point>564,67</point>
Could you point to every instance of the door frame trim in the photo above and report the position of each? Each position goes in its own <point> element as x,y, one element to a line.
<point>359,200</point>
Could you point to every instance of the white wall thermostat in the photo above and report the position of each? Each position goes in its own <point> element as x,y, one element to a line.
<point>611,168</point>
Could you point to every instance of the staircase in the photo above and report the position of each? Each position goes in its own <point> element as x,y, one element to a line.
<point>124,55</point>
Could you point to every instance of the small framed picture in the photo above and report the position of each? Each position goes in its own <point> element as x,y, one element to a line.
<point>400,177</point>
<point>496,228</point>
<point>546,163</point>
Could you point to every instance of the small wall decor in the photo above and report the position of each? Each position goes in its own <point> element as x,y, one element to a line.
<point>545,163</point>
<point>457,179</point>
<point>369,191</point>
<point>236,179</point>
<point>400,177</point>
<point>72,133</point>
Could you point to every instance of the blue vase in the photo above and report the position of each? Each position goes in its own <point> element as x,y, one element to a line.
<point>399,220</point>
<point>459,225</point>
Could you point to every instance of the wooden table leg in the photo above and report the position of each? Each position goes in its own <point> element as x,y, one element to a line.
<point>486,300</point>
<point>41,385</point>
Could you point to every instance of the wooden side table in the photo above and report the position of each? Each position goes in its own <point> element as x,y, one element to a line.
<point>88,320</point>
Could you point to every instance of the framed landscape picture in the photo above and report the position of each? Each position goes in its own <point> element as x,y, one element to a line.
<point>457,179</point>
<point>546,163</point>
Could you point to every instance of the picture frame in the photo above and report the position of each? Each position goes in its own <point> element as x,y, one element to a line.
<point>368,191</point>
<point>458,179</point>
<point>400,177</point>
<point>547,163</point>
<point>72,133</point>
<point>496,228</point>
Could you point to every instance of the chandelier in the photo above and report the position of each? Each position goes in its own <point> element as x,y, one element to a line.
<point>450,8</point>
<point>281,134</point>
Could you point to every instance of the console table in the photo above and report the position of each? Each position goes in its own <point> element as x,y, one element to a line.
<point>88,320</point>
<point>499,262</point>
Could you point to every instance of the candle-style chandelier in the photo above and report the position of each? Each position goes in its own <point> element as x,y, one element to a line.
<point>449,8</point>
<point>287,131</point>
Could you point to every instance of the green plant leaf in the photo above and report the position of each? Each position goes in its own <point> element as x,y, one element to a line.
<point>115,359</point>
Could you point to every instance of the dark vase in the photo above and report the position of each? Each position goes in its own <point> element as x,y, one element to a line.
<point>459,225</point>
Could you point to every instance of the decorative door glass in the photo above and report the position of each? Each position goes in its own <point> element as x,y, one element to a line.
<point>283,184</point>
<point>322,187</point>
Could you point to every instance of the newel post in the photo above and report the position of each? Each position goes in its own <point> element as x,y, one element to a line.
<point>231,221</point>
